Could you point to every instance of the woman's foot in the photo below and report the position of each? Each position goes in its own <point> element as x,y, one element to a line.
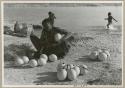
<point>36,55</point>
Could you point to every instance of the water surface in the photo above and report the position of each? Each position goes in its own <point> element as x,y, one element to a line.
<point>70,18</point>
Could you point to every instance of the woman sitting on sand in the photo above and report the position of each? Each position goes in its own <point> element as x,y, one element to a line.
<point>47,44</point>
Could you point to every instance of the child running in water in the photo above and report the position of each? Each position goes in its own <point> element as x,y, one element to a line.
<point>110,18</point>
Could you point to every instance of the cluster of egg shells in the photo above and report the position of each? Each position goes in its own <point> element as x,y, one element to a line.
<point>41,61</point>
<point>70,71</point>
<point>100,54</point>
<point>19,61</point>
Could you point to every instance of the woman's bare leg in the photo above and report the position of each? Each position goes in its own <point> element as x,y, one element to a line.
<point>35,41</point>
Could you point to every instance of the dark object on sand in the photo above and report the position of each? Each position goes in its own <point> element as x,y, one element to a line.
<point>19,35</point>
<point>7,30</point>
<point>20,30</point>
<point>37,26</point>
<point>17,27</point>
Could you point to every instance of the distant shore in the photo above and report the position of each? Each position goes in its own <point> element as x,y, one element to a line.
<point>63,4</point>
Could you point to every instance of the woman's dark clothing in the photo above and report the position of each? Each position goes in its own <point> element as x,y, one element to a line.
<point>47,44</point>
<point>48,36</point>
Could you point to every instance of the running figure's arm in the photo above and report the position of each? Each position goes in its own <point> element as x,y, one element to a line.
<point>114,19</point>
<point>106,18</point>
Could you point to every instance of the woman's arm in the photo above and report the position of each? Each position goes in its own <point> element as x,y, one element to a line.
<point>66,34</point>
<point>61,31</point>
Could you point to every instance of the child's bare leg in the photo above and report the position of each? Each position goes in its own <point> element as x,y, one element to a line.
<point>108,25</point>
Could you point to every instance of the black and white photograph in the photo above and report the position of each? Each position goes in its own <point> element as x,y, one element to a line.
<point>71,44</point>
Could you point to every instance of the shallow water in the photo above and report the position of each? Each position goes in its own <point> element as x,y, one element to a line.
<point>70,18</point>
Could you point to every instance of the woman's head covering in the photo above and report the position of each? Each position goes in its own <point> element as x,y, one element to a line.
<point>50,13</point>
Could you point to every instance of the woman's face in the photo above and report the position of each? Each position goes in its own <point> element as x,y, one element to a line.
<point>51,16</point>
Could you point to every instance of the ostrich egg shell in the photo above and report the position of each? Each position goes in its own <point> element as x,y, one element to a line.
<point>58,36</point>
<point>41,61</point>
<point>33,63</point>
<point>52,57</point>
<point>25,59</point>
<point>19,61</point>
<point>44,56</point>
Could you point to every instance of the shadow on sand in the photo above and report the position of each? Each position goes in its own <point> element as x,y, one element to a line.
<point>48,77</point>
<point>86,58</point>
<point>11,64</point>
<point>18,67</point>
<point>20,50</point>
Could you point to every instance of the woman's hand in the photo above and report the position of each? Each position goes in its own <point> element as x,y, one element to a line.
<point>65,37</point>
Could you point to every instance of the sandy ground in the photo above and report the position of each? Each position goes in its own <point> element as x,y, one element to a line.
<point>100,73</point>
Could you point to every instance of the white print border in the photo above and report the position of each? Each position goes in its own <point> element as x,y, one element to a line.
<point>2,23</point>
